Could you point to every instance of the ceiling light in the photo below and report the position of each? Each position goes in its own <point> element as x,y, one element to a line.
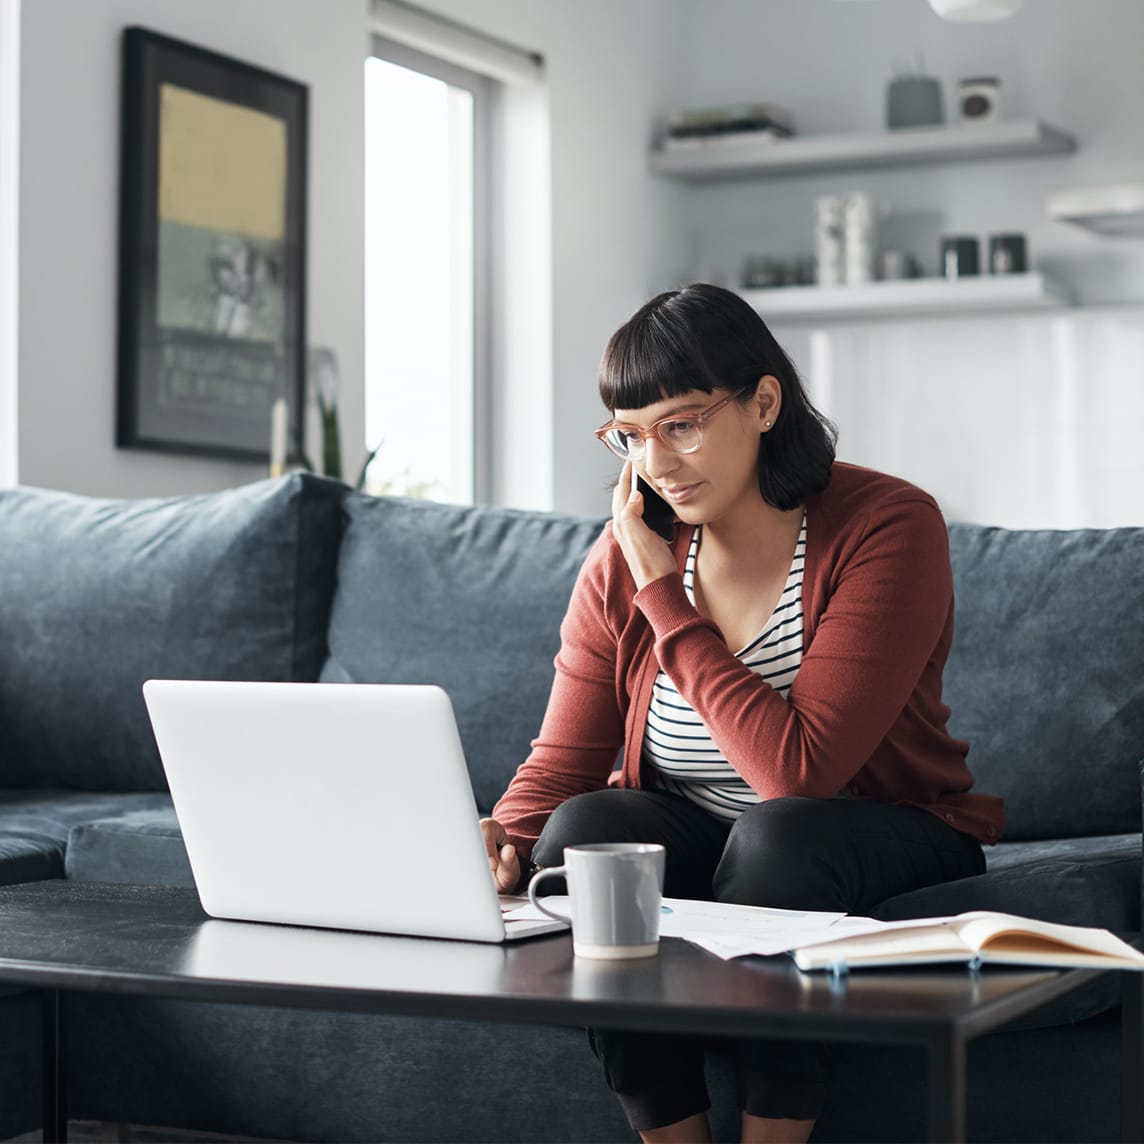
<point>975,9</point>
<point>969,10</point>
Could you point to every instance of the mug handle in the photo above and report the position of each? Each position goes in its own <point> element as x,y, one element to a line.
<point>537,878</point>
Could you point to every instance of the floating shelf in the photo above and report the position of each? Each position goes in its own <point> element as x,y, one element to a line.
<point>912,297</point>
<point>1117,211</point>
<point>727,159</point>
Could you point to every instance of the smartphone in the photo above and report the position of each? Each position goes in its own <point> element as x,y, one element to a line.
<point>658,515</point>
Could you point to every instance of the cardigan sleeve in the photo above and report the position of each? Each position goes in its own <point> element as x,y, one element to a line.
<point>583,728</point>
<point>891,593</point>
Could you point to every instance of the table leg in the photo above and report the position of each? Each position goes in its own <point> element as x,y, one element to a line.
<point>947,1090</point>
<point>55,1101</point>
<point>1132,1057</point>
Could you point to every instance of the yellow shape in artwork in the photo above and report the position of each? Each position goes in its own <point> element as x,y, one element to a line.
<point>222,166</point>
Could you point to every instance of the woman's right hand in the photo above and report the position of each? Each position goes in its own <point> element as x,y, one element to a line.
<point>504,863</point>
<point>648,555</point>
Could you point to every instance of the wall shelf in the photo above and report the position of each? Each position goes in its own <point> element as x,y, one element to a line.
<point>906,298</point>
<point>1116,211</point>
<point>728,159</point>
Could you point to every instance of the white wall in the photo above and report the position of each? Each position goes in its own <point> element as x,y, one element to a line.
<point>70,115</point>
<point>619,234</point>
<point>1053,444</point>
<point>609,65</point>
<point>615,239</point>
<point>1018,421</point>
<point>1074,64</point>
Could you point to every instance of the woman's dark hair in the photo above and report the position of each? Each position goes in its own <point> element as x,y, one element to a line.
<point>704,337</point>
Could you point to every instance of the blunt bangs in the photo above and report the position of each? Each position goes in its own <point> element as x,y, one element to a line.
<point>652,357</point>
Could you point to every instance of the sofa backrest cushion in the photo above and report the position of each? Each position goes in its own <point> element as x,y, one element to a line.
<point>1046,674</point>
<point>98,595</point>
<point>470,599</point>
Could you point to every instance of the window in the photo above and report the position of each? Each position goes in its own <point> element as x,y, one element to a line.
<point>426,231</point>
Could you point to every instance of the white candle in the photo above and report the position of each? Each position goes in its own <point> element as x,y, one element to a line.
<point>279,417</point>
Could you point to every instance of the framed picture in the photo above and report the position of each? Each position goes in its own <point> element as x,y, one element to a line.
<point>212,252</point>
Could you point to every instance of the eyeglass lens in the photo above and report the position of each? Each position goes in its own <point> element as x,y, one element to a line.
<point>680,436</point>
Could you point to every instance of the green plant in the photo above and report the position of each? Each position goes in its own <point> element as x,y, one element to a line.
<point>331,437</point>
<point>332,455</point>
<point>359,484</point>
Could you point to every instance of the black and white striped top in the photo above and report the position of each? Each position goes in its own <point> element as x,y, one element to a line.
<point>677,745</point>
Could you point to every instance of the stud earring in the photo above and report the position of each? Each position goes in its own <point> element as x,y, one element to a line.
<point>766,424</point>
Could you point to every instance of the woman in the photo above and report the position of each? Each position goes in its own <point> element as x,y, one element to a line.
<point>773,676</point>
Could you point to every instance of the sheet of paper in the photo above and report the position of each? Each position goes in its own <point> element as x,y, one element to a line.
<point>739,931</point>
<point>528,912</point>
<point>727,930</point>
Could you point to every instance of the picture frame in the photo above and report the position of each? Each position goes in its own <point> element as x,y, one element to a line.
<point>212,252</point>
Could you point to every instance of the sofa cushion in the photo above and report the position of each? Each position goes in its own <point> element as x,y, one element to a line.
<point>137,846</point>
<point>1074,881</point>
<point>27,859</point>
<point>1046,674</point>
<point>470,599</point>
<point>98,595</point>
<point>35,824</point>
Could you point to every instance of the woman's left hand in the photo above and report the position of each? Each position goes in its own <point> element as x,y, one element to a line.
<point>649,556</point>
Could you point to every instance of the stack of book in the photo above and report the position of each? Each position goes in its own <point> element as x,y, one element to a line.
<point>729,124</point>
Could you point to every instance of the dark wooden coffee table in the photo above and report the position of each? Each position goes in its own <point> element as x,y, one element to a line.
<point>65,937</point>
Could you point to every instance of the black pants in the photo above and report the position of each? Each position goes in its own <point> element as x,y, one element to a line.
<point>790,853</point>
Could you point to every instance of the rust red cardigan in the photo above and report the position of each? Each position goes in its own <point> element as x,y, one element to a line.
<point>864,716</point>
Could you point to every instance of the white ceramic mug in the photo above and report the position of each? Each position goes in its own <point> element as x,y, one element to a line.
<point>616,894</point>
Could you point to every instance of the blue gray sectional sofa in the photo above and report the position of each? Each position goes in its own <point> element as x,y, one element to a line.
<point>301,579</point>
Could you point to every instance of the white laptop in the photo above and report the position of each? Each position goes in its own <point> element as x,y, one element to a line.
<point>339,805</point>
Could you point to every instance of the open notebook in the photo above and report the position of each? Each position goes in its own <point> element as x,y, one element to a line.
<point>973,938</point>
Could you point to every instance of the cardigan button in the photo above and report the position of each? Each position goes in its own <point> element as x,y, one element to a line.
<point>949,818</point>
